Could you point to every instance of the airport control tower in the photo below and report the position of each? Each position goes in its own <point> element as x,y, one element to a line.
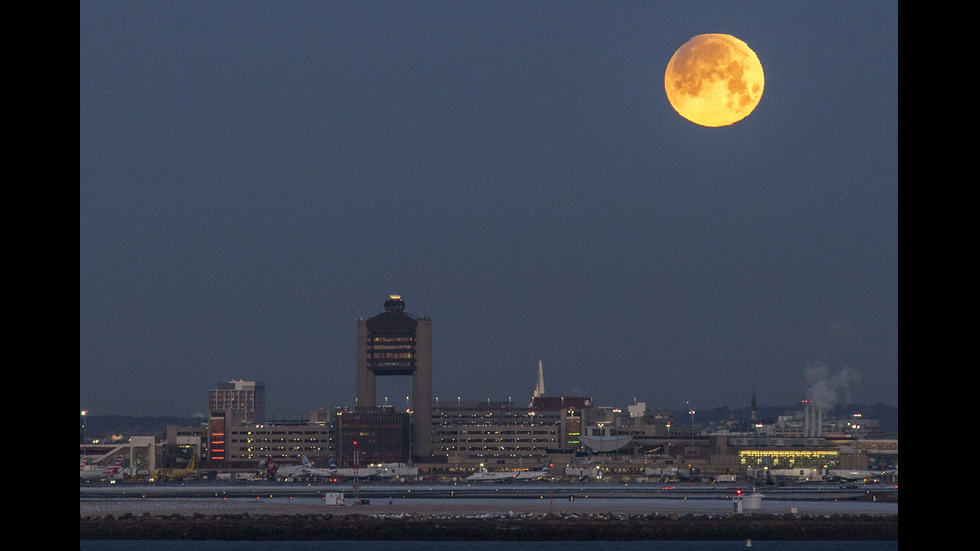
<point>394,343</point>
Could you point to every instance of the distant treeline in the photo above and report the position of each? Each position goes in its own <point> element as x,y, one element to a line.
<point>885,414</point>
<point>106,426</point>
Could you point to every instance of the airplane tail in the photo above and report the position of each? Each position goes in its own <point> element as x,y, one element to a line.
<point>114,468</point>
<point>331,464</point>
<point>306,461</point>
<point>547,468</point>
<point>190,465</point>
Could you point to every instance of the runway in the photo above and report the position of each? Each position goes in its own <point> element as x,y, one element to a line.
<point>419,499</point>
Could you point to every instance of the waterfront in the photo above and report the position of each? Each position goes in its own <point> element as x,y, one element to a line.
<point>487,513</point>
<point>491,528</point>
<point>489,546</point>
<point>462,499</point>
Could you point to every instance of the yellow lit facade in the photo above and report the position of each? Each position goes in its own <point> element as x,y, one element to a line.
<point>788,458</point>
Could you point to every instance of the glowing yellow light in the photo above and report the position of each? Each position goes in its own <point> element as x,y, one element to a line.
<point>714,80</point>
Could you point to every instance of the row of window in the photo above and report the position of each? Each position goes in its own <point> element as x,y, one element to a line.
<point>396,346</point>
<point>496,448</point>
<point>791,458</point>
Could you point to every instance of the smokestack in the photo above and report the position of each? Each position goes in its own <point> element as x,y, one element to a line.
<point>812,420</point>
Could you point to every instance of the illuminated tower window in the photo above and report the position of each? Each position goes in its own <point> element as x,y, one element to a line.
<point>394,343</point>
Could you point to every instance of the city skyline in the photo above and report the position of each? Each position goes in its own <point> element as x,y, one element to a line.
<point>255,178</point>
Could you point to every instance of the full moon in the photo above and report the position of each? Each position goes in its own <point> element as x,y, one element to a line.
<point>714,80</point>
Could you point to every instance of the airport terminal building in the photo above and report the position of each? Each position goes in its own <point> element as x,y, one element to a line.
<point>453,439</point>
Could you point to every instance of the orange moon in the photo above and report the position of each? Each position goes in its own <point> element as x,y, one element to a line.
<point>714,80</point>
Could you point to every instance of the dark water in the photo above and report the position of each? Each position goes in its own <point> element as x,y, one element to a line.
<point>487,546</point>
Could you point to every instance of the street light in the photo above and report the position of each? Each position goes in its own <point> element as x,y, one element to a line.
<point>84,444</point>
<point>692,424</point>
<point>408,408</point>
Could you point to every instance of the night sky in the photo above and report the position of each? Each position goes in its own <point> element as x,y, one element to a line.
<point>255,176</point>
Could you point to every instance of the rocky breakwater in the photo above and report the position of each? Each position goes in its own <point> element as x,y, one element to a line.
<point>498,527</point>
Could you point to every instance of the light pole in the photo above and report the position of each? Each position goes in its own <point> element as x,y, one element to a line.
<point>552,473</point>
<point>340,437</point>
<point>84,443</point>
<point>408,408</point>
<point>692,424</point>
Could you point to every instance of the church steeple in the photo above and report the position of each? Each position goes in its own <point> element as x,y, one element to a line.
<point>539,388</point>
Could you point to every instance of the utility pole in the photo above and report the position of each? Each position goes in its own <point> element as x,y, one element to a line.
<point>552,473</point>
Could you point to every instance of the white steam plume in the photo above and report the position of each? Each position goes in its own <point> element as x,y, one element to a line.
<point>827,388</point>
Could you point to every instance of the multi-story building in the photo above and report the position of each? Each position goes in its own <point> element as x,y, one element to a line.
<point>495,435</point>
<point>379,435</point>
<point>226,442</point>
<point>499,435</point>
<point>248,397</point>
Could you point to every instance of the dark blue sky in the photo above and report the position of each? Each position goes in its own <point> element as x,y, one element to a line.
<point>254,176</point>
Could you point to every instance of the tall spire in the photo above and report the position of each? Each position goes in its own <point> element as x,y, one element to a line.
<point>755,407</point>
<point>539,388</point>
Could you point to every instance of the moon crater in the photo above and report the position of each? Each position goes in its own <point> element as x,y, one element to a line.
<point>714,80</point>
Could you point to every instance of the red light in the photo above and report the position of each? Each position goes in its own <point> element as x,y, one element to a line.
<point>738,492</point>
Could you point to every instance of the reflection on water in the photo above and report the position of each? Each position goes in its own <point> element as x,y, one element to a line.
<point>489,546</point>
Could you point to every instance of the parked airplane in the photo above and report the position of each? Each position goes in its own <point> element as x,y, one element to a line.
<point>98,472</point>
<point>350,472</point>
<point>309,470</point>
<point>483,475</point>
<point>174,474</point>
<point>852,475</point>
<point>275,472</point>
<point>535,475</point>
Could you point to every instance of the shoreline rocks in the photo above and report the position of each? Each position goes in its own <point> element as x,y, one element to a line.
<point>547,527</point>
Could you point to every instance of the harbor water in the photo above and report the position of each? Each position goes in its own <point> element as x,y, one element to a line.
<point>489,546</point>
